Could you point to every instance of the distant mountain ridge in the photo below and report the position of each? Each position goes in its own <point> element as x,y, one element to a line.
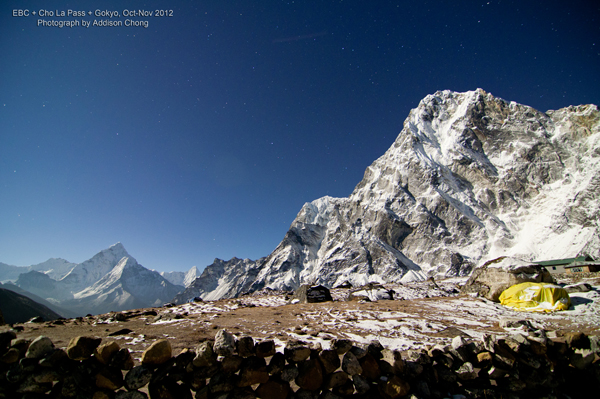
<point>469,178</point>
<point>18,308</point>
<point>111,280</point>
<point>56,268</point>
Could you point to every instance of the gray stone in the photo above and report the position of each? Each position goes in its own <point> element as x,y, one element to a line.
<point>205,355</point>
<point>276,364</point>
<point>488,342</point>
<point>577,340</point>
<point>496,373</point>
<point>122,359</point>
<point>29,385</point>
<point>351,365</point>
<point>358,351</point>
<point>467,372</point>
<point>231,363</point>
<point>579,287</point>
<point>393,358</point>
<point>289,373</point>
<point>224,343</point>
<point>39,347</point>
<point>138,377</point>
<point>361,384</point>
<point>582,358</point>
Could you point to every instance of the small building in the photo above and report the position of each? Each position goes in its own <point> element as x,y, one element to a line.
<point>570,265</point>
<point>582,267</point>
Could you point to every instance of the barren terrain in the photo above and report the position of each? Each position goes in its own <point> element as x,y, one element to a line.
<point>426,315</point>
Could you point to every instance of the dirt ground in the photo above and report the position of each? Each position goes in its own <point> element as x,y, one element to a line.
<point>398,324</point>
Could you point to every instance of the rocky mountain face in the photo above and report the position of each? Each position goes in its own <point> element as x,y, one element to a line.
<point>127,286</point>
<point>182,278</point>
<point>470,177</point>
<point>221,278</point>
<point>110,280</point>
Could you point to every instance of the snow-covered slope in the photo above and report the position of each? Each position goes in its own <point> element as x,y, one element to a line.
<point>56,268</point>
<point>469,178</point>
<point>220,279</point>
<point>110,280</point>
<point>181,278</point>
<point>128,285</point>
<point>89,272</point>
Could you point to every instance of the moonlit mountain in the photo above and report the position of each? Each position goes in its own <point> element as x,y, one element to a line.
<point>469,178</point>
<point>111,280</point>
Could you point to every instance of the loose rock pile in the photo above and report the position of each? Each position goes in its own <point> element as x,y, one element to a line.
<point>508,367</point>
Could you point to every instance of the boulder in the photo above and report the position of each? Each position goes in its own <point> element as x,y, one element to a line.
<point>265,348</point>
<point>371,292</point>
<point>205,356</point>
<point>82,348</point>
<point>109,378</point>
<point>310,375</point>
<point>138,378</point>
<point>158,353</point>
<point>224,343</point>
<point>499,274</point>
<point>40,346</point>
<point>311,294</point>
<point>579,287</point>
<point>105,352</point>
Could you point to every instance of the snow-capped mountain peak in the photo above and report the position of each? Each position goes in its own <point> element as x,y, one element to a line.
<point>87,273</point>
<point>469,178</point>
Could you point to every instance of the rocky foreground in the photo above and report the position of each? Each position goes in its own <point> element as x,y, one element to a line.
<point>515,366</point>
<point>423,328</point>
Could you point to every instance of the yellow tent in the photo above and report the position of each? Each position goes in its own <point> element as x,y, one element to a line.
<point>536,297</point>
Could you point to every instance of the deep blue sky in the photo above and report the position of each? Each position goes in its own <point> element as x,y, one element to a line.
<point>203,135</point>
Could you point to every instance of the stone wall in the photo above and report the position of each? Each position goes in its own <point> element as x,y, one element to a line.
<point>493,367</point>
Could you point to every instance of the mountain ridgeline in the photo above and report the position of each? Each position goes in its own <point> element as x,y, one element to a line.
<point>470,177</point>
<point>111,280</point>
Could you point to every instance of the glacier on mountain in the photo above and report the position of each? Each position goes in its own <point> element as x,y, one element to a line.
<point>469,178</point>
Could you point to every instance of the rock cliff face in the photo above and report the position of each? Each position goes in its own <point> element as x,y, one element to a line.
<point>222,279</point>
<point>470,178</point>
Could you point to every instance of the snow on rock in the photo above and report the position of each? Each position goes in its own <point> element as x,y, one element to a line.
<point>181,278</point>
<point>470,178</point>
<point>89,272</point>
<point>127,286</point>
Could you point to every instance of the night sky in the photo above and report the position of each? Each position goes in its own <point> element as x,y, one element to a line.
<point>203,135</point>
